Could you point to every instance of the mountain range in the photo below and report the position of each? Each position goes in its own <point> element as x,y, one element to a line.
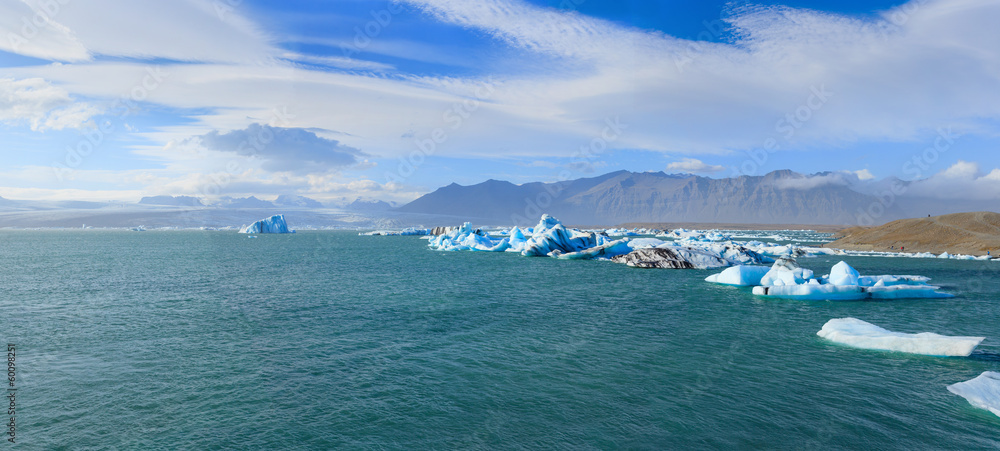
<point>779,197</point>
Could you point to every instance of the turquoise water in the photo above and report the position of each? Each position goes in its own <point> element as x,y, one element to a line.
<point>318,340</point>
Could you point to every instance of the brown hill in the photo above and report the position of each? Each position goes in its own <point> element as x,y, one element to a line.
<point>960,233</point>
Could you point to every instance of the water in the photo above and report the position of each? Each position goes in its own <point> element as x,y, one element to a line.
<point>318,340</point>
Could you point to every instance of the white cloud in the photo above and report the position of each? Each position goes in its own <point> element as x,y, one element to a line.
<point>336,61</point>
<point>961,170</point>
<point>37,32</point>
<point>672,94</point>
<point>819,180</point>
<point>694,166</point>
<point>961,181</point>
<point>42,106</point>
<point>283,149</point>
<point>677,95</point>
<point>864,175</point>
<point>183,30</point>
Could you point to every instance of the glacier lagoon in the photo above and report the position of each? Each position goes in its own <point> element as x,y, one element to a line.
<point>325,339</point>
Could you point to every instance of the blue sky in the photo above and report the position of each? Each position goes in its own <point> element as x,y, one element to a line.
<point>115,100</point>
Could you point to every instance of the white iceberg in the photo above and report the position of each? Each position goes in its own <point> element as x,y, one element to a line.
<point>741,276</point>
<point>844,275</point>
<point>787,280</point>
<point>982,392</point>
<point>274,224</point>
<point>860,334</point>
<point>786,271</point>
<point>735,253</point>
<point>813,291</point>
<point>887,280</point>
<point>643,243</point>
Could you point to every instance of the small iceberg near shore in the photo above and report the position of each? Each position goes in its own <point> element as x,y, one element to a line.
<point>856,333</point>
<point>274,224</point>
<point>982,392</point>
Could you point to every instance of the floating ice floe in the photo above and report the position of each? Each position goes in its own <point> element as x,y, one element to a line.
<point>944,255</point>
<point>274,224</point>
<point>982,392</point>
<point>856,333</point>
<point>741,276</point>
<point>787,280</point>
<point>626,232</point>
<point>411,231</point>
<point>697,235</point>
<point>550,238</point>
<point>672,258</point>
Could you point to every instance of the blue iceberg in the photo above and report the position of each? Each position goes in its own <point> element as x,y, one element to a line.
<point>274,224</point>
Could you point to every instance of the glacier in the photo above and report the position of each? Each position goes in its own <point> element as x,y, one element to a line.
<point>274,224</point>
<point>856,333</point>
<point>982,392</point>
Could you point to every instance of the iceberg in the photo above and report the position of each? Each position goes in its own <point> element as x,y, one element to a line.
<point>786,271</point>
<point>671,258</point>
<point>274,224</point>
<point>871,281</point>
<point>516,237</point>
<point>982,392</point>
<point>741,276</point>
<point>550,238</point>
<point>558,238</point>
<point>787,280</point>
<point>654,253</point>
<point>609,250</point>
<point>410,231</point>
<point>844,275</point>
<point>860,334</point>
<point>813,291</point>
<point>641,243</point>
<point>465,238</point>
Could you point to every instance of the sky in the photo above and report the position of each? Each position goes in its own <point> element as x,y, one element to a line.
<point>116,100</point>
